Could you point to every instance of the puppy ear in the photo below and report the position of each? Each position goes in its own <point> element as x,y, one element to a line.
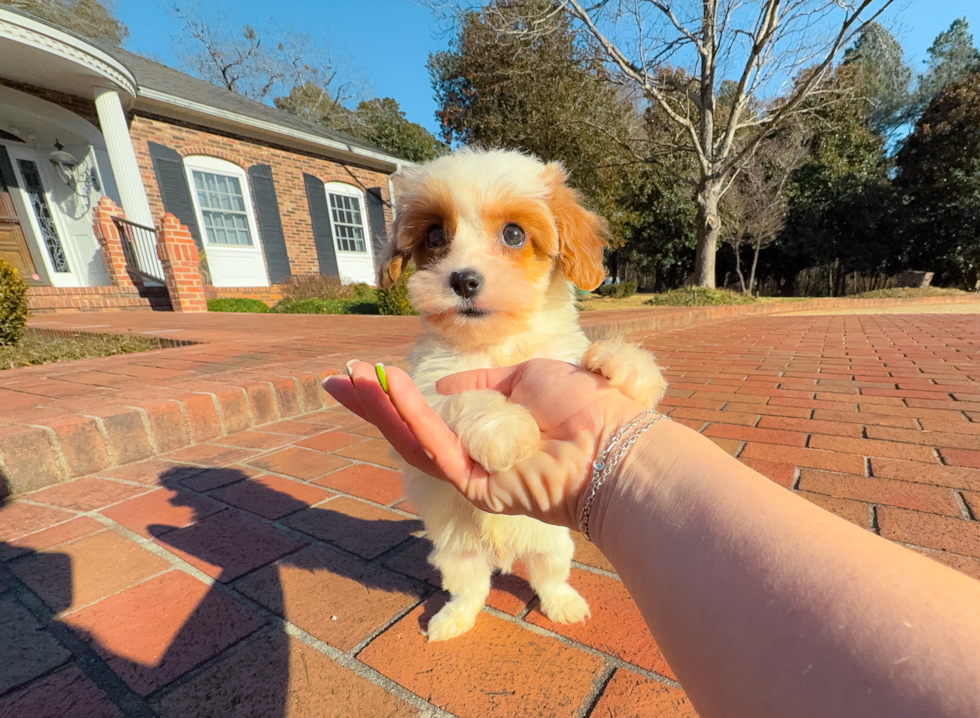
<point>581,234</point>
<point>392,264</point>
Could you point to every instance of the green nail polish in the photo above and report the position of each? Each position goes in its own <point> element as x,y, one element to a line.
<point>379,369</point>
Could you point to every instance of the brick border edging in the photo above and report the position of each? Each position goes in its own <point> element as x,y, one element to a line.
<point>164,343</point>
<point>683,316</point>
<point>75,444</point>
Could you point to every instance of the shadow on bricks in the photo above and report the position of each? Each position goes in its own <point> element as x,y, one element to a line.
<point>39,656</point>
<point>172,645</point>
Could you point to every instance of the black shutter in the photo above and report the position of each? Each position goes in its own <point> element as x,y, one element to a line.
<point>376,218</point>
<point>172,181</point>
<point>7,177</point>
<point>270,224</point>
<point>316,198</point>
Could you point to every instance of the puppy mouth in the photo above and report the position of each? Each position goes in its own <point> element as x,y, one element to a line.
<point>473,312</point>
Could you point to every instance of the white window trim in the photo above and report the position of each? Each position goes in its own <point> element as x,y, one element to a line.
<point>216,165</point>
<point>351,191</point>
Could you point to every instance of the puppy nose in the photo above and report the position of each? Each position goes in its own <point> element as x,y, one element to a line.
<point>466,283</point>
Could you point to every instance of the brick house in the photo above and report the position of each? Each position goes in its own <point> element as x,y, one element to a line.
<point>97,145</point>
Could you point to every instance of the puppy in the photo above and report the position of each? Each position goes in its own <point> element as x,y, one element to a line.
<point>499,242</point>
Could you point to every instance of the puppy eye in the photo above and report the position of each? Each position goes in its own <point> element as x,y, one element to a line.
<point>437,237</point>
<point>514,236</point>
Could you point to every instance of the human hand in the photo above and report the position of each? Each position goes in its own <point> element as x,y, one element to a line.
<point>575,409</point>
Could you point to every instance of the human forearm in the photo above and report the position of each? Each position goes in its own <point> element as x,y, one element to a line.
<point>768,606</point>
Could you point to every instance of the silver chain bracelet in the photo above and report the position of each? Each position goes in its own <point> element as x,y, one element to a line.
<point>603,465</point>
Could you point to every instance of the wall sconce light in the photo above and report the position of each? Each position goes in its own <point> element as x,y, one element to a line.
<point>73,173</point>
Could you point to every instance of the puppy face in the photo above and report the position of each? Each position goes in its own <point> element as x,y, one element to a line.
<point>488,231</point>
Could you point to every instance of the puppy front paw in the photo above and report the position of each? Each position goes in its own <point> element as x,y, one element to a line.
<point>565,605</point>
<point>454,619</point>
<point>628,368</point>
<point>495,432</point>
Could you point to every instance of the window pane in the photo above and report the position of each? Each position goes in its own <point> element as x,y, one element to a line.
<point>223,208</point>
<point>348,225</point>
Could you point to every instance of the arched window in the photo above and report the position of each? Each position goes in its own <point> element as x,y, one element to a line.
<point>226,216</point>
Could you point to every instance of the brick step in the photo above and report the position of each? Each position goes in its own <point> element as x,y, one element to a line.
<point>96,435</point>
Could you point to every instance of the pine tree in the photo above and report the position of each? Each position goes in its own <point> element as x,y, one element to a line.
<point>884,77</point>
<point>952,56</point>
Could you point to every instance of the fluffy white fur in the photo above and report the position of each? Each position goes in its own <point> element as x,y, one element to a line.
<point>531,313</point>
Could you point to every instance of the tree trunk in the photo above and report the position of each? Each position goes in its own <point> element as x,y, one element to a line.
<point>708,228</point>
<point>738,264</point>
<point>755,263</point>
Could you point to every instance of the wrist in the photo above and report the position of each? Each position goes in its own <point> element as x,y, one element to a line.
<point>639,484</point>
<point>612,453</point>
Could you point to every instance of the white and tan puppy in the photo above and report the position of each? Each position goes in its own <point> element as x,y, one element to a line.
<point>498,241</point>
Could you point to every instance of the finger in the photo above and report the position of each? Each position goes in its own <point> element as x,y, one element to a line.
<point>341,388</point>
<point>379,410</point>
<point>499,379</point>
<point>428,427</point>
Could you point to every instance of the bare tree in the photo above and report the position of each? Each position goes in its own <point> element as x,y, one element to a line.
<point>754,209</point>
<point>248,64</point>
<point>677,54</point>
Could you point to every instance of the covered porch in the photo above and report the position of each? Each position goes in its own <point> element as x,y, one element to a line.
<point>64,147</point>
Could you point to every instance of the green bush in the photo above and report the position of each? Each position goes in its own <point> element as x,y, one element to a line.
<point>616,291</point>
<point>905,292</point>
<point>324,306</point>
<point>14,309</point>
<point>699,297</point>
<point>319,286</point>
<point>395,300</point>
<point>237,304</point>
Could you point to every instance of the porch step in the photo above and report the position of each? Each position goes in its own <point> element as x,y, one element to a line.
<point>59,300</point>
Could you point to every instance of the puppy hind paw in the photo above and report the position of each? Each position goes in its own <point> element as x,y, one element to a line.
<point>628,368</point>
<point>565,605</point>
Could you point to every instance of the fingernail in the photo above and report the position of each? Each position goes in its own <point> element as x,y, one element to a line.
<point>350,371</point>
<point>379,369</point>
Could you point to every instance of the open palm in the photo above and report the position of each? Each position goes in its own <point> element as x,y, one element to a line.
<point>575,409</point>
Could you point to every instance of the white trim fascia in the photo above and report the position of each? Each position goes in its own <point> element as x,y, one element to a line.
<point>26,30</point>
<point>149,98</point>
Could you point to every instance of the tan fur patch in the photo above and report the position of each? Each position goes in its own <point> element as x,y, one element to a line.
<point>581,234</point>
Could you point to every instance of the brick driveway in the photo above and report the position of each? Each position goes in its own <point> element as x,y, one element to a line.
<point>278,571</point>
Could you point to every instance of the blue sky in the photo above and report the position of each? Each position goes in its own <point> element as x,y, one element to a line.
<point>390,40</point>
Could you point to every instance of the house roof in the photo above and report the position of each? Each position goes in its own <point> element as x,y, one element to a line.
<point>171,93</point>
<point>154,76</point>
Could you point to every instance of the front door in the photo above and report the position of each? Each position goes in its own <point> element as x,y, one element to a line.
<point>13,243</point>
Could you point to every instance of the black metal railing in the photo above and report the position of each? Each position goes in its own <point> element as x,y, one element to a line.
<point>139,244</point>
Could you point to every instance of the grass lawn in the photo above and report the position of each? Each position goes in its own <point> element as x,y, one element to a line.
<point>40,349</point>
<point>644,300</point>
<point>685,297</point>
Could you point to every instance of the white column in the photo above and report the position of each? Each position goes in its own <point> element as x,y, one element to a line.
<point>122,157</point>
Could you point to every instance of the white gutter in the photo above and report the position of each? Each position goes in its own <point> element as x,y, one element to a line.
<point>391,190</point>
<point>150,98</point>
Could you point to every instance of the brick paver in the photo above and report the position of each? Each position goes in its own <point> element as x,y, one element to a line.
<point>274,563</point>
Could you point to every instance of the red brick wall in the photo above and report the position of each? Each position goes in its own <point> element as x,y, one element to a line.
<point>269,295</point>
<point>287,171</point>
<point>81,106</point>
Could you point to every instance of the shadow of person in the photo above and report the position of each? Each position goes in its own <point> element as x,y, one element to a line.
<point>27,648</point>
<point>249,555</point>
